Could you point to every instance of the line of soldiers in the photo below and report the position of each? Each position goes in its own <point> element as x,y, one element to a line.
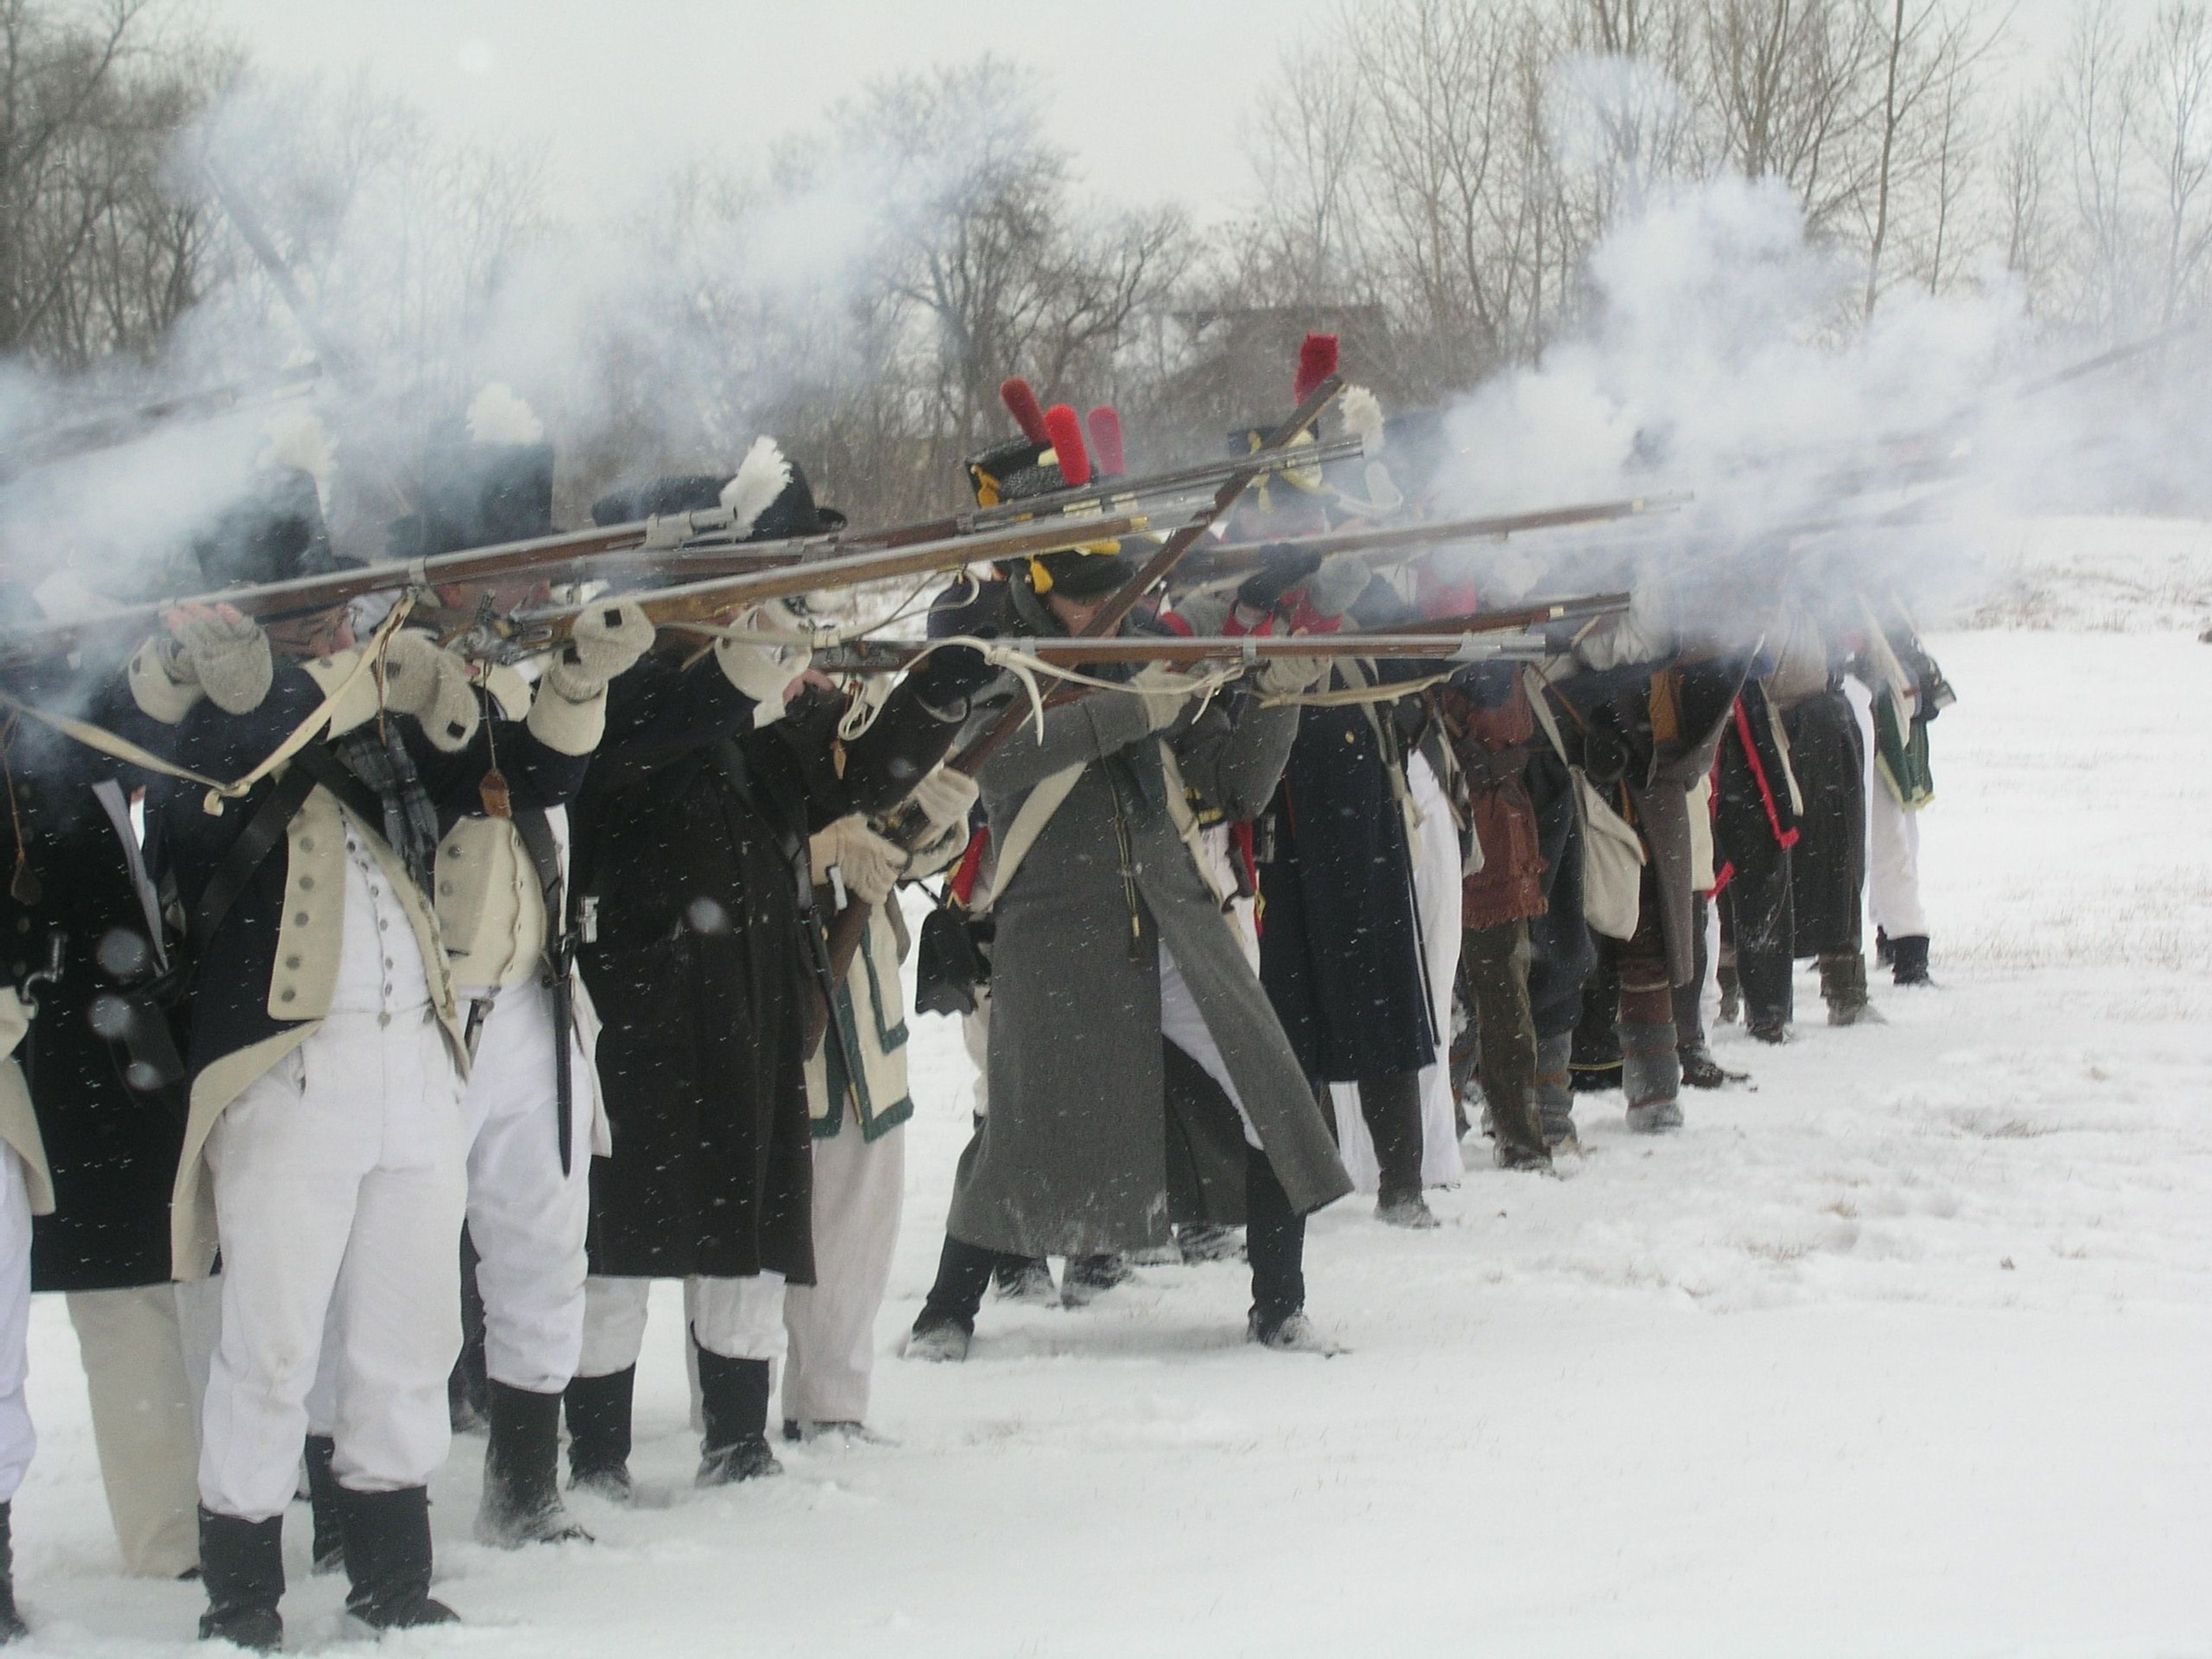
<point>529,957</point>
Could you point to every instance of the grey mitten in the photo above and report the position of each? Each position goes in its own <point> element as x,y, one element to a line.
<point>226,656</point>
<point>1164,693</point>
<point>433,685</point>
<point>1286,676</point>
<point>1343,577</point>
<point>608,639</point>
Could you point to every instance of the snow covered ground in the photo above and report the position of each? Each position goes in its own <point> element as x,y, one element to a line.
<point>1904,1352</point>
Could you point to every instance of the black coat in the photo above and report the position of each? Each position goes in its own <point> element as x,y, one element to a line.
<point>111,1150</point>
<point>1827,866</point>
<point>690,842</point>
<point>1340,943</point>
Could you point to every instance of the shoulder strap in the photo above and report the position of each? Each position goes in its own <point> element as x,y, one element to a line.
<point>1535,685</point>
<point>323,767</point>
<point>247,854</point>
<point>536,833</point>
<point>1028,824</point>
<point>109,793</point>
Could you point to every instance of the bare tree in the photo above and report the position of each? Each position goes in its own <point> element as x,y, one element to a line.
<point>97,257</point>
<point>2174,73</point>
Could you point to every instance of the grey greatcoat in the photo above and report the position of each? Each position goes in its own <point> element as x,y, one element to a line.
<point>1074,1156</point>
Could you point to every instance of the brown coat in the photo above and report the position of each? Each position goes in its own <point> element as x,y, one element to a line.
<point>1491,745</point>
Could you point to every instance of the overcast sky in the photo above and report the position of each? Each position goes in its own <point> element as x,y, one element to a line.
<point>1151,95</point>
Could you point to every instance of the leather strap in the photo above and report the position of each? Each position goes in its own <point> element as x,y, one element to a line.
<point>249,852</point>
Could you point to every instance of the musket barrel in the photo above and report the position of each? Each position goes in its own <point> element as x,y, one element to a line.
<point>1235,558</point>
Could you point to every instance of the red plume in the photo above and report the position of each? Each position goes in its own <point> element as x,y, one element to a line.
<point>1065,433</point>
<point>1022,403</point>
<point>1317,362</point>
<point>1106,438</point>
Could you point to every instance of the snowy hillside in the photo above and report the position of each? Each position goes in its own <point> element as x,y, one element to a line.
<point>1902,1353</point>
<point>2095,575</point>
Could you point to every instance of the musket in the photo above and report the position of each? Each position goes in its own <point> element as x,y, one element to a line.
<point>1112,494</point>
<point>1239,558</point>
<point>113,431</point>
<point>1421,637</point>
<point>572,552</point>
<point>905,826</point>
<point>705,601</point>
<point>256,237</point>
<point>1181,651</point>
<point>1153,492</point>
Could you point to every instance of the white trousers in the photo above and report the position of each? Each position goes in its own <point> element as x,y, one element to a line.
<point>526,1219</point>
<point>859,1187</point>
<point>735,1318</point>
<point>1894,866</point>
<point>1183,1024</point>
<point>145,1425</point>
<point>339,1188</point>
<point>1435,899</point>
<point>17,1441</point>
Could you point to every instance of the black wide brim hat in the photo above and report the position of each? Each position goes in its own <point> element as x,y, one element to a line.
<point>794,513</point>
<point>478,494</point>
<point>275,534</point>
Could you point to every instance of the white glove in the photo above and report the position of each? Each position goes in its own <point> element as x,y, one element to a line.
<point>869,865</point>
<point>1164,693</point>
<point>1333,589</point>
<point>607,640</point>
<point>944,798</point>
<point>765,673</point>
<point>225,654</point>
<point>1286,676</point>
<point>433,685</point>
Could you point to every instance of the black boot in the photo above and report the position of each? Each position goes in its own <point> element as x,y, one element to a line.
<point>242,1564</point>
<point>947,1319</point>
<point>1087,1277</point>
<point>521,1487</point>
<point>1908,960</point>
<point>12,1627</point>
<point>733,1400</point>
<point>1392,1107</point>
<point>1023,1279</point>
<point>598,1433</point>
<point>1275,1239</point>
<point>1844,987</point>
<point>387,1558</point>
<point>1701,1071</point>
<point>323,1504</point>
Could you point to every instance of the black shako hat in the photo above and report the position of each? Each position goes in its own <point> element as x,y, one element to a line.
<point>474,494</point>
<point>272,533</point>
<point>793,513</point>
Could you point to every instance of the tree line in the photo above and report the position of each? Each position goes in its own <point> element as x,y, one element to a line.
<point>1429,178</point>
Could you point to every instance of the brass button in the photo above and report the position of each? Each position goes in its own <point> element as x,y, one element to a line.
<point>306,883</point>
<point>291,962</point>
<point>299,918</point>
<point>287,994</point>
